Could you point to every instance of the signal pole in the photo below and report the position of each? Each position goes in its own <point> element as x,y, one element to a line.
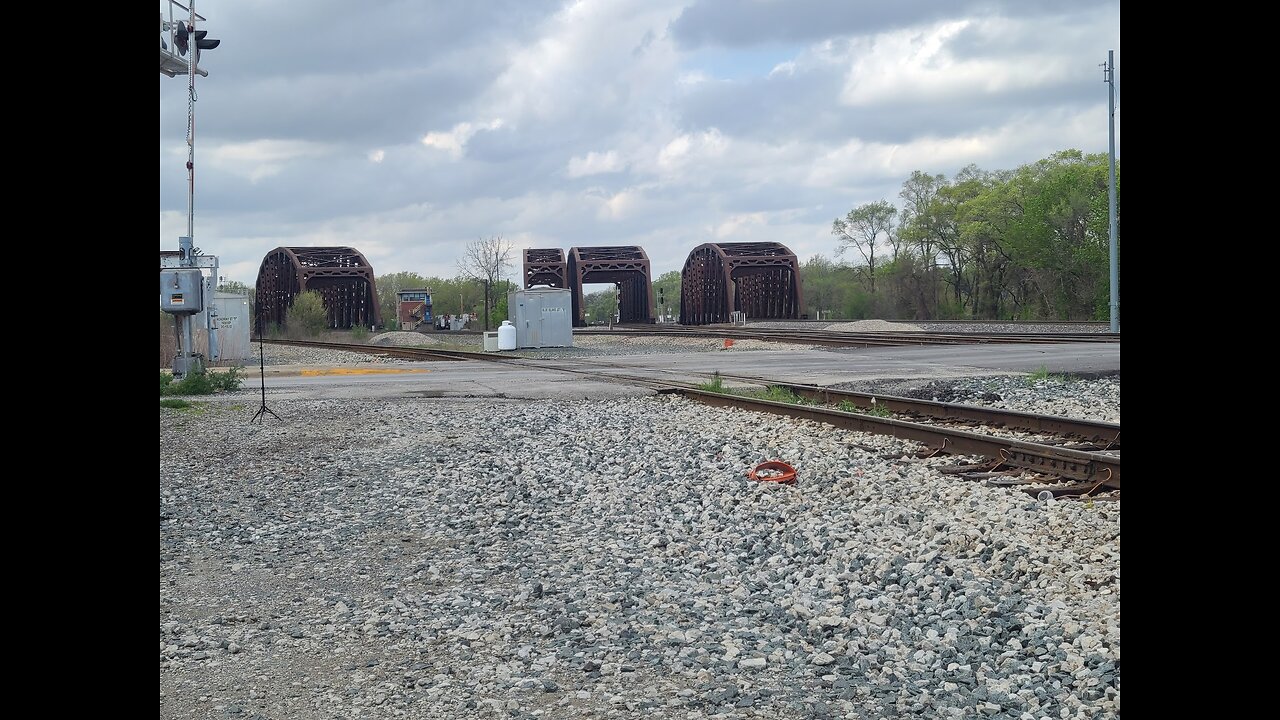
<point>1110,80</point>
<point>183,289</point>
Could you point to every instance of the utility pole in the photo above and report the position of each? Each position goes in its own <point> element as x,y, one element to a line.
<point>1109,77</point>
<point>184,291</point>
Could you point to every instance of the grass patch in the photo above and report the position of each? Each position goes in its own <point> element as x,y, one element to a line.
<point>1042,373</point>
<point>175,403</point>
<point>716,384</point>
<point>772,393</point>
<point>201,383</point>
<point>777,394</point>
<point>877,410</point>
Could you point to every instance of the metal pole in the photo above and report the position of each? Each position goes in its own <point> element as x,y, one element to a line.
<point>191,122</point>
<point>1111,190</point>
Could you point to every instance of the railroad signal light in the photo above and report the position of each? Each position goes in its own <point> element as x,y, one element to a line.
<point>182,37</point>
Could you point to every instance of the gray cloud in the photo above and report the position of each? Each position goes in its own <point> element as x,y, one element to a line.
<point>606,122</point>
<point>737,23</point>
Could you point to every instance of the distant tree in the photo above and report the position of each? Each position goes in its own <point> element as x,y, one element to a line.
<point>484,261</point>
<point>862,229</point>
<point>600,306</point>
<point>235,287</point>
<point>500,311</point>
<point>921,228</point>
<point>669,285</point>
<point>390,284</point>
<point>307,317</point>
<point>824,289</point>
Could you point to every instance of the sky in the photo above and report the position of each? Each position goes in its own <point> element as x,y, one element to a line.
<point>409,128</point>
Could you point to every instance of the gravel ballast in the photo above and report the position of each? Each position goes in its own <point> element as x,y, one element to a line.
<point>442,558</point>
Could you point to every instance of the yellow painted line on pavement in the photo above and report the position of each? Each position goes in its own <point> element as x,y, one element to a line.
<point>307,372</point>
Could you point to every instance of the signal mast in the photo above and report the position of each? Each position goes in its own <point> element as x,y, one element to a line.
<point>184,290</point>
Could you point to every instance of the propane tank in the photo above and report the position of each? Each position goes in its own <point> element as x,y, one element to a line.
<point>507,336</point>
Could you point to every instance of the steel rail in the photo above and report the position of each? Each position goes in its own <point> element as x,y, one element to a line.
<point>856,339</point>
<point>1090,430</point>
<point>1076,464</point>
<point>1098,469</point>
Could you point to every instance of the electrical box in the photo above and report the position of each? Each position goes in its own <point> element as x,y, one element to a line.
<point>180,291</point>
<point>543,317</point>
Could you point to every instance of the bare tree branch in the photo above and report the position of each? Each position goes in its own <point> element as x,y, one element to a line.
<point>484,261</point>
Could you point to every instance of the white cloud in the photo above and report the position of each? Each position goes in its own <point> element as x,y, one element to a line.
<point>377,156</point>
<point>258,159</point>
<point>787,68</point>
<point>620,205</point>
<point>916,64</point>
<point>454,141</point>
<point>594,163</point>
<point>692,148</point>
<point>737,225</point>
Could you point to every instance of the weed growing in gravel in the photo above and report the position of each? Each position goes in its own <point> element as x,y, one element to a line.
<point>175,403</point>
<point>875,410</point>
<point>1043,374</point>
<point>777,394</point>
<point>716,385</point>
<point>201,383</point>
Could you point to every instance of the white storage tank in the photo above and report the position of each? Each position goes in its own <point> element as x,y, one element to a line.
<point>542,316</point>
<point>507,336</point>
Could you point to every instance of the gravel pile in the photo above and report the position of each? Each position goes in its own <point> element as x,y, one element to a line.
<point>294,355</point>
<point>449,559</point>
<point>1066,396</point>
<point>873,326</point>
<point>400,338</point>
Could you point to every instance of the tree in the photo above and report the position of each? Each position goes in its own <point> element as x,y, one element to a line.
<point>501,307</point>
<point>483,261</point>
<point>667,287</point>
<point>920,227</point>
<point>823,289</point>
<point>601,306</point>
<point>235,287</point>
<point>390,284</point>
<point>307,317</point>
<point>862,229</point>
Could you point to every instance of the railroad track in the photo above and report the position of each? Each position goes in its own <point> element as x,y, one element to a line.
<point>833,338</point>
<point>851,339</point>
<point>1083,460</point>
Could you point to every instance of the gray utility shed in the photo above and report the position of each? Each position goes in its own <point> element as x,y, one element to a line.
<point>233,329</point>
<point>543,317</point>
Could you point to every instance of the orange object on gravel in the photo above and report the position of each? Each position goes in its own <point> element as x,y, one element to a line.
<point>773,471</point>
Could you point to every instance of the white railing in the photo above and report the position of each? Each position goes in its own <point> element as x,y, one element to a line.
<point>174,15</point>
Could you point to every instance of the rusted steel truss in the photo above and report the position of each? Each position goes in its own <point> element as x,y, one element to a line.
<point>760,279</point>
<point>545,266</point>
<point>625,266</point>
<point>341,275</point>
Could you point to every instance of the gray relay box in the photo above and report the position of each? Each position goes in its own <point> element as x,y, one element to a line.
<point>180,291</point>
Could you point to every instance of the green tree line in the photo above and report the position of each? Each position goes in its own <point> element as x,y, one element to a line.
<point>1026,244</point>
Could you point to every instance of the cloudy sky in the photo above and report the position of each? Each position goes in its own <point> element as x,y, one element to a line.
<point>408,128</point>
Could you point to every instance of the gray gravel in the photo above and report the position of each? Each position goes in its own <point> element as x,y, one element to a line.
<point>447,559</point>
<point>1066,396</point>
